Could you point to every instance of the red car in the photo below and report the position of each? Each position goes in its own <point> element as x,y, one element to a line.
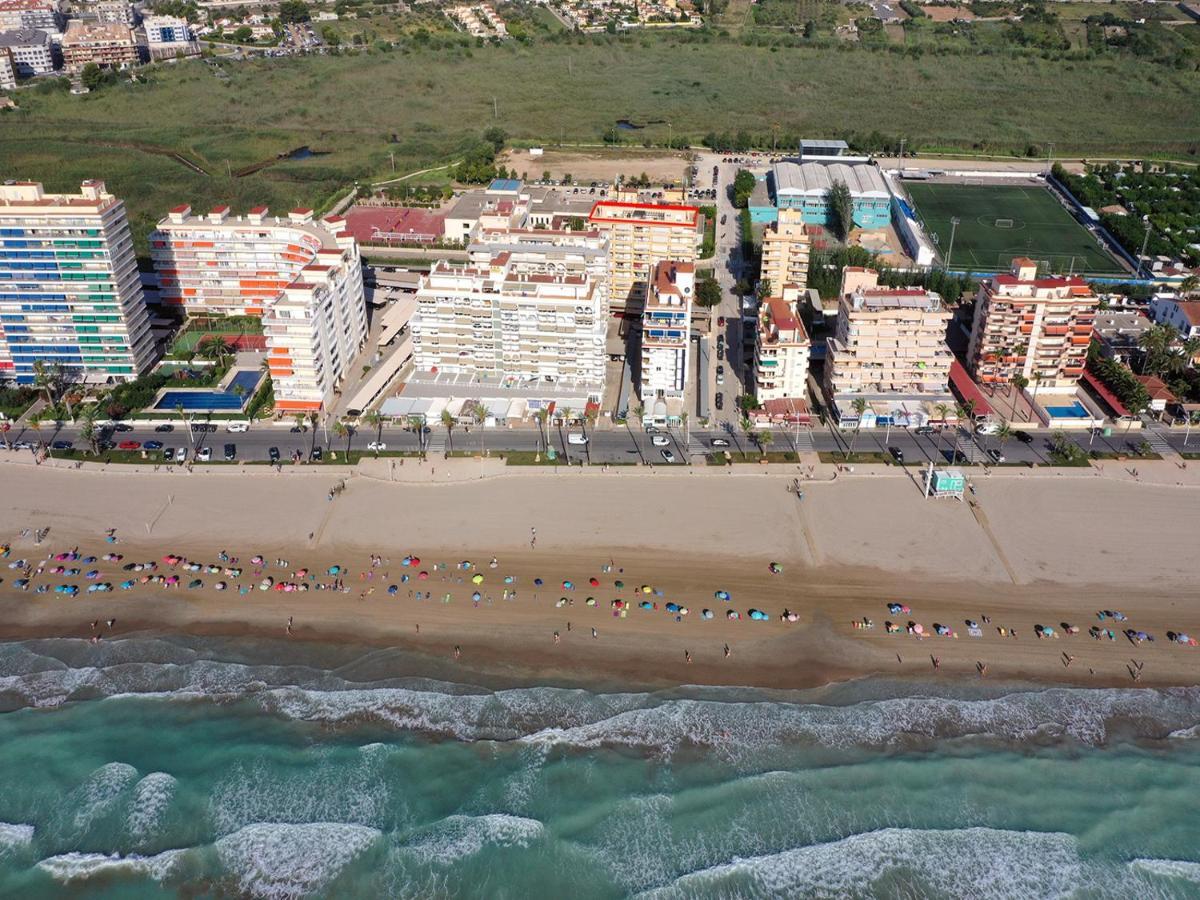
<point>130,445</point>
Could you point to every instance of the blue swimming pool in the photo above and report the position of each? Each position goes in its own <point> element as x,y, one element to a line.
<point>226,400</point>
<point>1075,411</point>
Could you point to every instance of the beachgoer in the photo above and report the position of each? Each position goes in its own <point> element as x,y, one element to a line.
<point>457,651</point>
<point>556,637</point>
<point>594,633</point>
<point>937,662</point>
<point>687,656</point>
<point>727,651</point>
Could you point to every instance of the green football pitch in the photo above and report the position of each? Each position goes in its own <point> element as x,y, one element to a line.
<point>999,222</point>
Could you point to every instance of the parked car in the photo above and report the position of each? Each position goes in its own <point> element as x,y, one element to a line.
<point>237,427</point>
<point>377,446</point>
<point>168,453</point>
<point>1023,436</point>
<point>121,426</point>
<point>718,442</point>
<point>660,440</point>
<point>723,219</point>
<point>130,445</point>
<point>204,454</point>
<point>996,455</point>
<point>181,454</point>
<point>577,439</point>
<point>720,374</point>
<point>987,428</point>
<point>152,445</point>
<point>897,454</point>
<point>668,456</point>
<point>62,445</point>
<point>230,452</point>
<point>720,400</point>
<point>162,429</point>
<point>316,454</point>
<point>720,353</point>
<point>273,452</point>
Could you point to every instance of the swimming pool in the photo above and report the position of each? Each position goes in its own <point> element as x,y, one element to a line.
<point>224,400</point>
<point>1075,411</point>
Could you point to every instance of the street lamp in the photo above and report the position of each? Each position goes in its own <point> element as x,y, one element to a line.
<point>1145,243</point>
<point>953,229</point>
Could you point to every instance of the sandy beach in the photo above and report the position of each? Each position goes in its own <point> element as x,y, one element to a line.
<point>1030,551</point>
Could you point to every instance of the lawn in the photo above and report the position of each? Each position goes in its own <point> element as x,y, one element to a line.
<point>999,222</point>
<point>424,105</point>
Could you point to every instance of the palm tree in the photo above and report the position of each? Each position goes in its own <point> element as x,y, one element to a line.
<point>589,417</point>
<point>479,414</point>
<point>374,420</point>
<point>943,411</point>
<point>542,415</point>
<point>764,440</point>
<point>35,422</point>
<point>1004,434</point>
<point>1156,342</point>
<point>87,429</point>
<point>448,424</point>
<point>638,411</point>
<point>1038,378</point>
<point>567,415</point>
<point>860,407</point>
<point>687,431</point>
<point>216,349</point>
<point>300,418</point>
<point>341,430</point>
<point>1019,382</point>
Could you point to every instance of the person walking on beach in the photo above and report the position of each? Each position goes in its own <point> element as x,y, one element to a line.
<point>457,651</point>
<point>727,651</point>
<point>594,635</point>
<point>687,656</point>
<point>556,637</point>
<point>937,662</point>
<point>289,626</point>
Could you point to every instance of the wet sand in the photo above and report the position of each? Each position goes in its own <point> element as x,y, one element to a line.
<point>846,551</point>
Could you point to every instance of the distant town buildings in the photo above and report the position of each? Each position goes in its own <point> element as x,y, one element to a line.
<point>303,277</point>
<point>640,236</point>
<point>785,250</point>
<point>478,20</point>
<point>666,341</point>
<point>8,71</point>
<point>524,308</point>
<point>108,46</point>
<point>30,51</point>
<point>43,15</point>
<point>114,12</point>
<point>70,292</point>
<point>1183,315</point>
<point>781,352</point>
<point>1036,327</point>
<point>169,36</point>
<point>888,343</point>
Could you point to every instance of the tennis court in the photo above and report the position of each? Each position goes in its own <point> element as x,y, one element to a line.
<point>997,222</point>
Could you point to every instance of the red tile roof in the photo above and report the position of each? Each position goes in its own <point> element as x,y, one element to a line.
<point>782,314</point>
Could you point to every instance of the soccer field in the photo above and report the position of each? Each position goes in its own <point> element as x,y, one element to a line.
<point>998,222</point>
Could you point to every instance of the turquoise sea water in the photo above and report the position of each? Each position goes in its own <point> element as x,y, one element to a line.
<point>161,768</point>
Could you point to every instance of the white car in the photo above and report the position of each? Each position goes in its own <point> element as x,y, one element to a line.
<point>377,445</point>
<point>181,454</point>
<point>987,428</point>
<point>204,454</point>
<point>237,427</point>
<point>578,439</point>
<point>660,440</point>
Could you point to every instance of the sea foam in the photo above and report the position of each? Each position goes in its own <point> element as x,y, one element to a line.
<point>278,862</point>
<point>69,867</point>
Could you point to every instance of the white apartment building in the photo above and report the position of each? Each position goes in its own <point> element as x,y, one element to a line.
<point>8,72</point>
<point>640,236</point>
<point>517,310</point>
<point>40,14</point>
<point>303,277</point>
<point>30,51</point>
<point>888,340</point>
<point>167,35</point>
<point>781,353</point>
<point>70,292</point>
<point>666,342</point>
<point>114,12</point>
<point>785,251</point>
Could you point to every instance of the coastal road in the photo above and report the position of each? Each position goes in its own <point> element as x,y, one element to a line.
<point>621,445</point>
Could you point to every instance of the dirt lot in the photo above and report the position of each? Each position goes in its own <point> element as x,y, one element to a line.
<point>598,165</point>
<point>948,13</point>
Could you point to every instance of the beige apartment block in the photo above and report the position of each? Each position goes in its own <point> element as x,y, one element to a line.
<point>1035,327</point>
<point>782,352</point>
<point>785,249</point>
<point>519,310</point>
<point>888,340</point>
<point>108,46</point>
<point>640,236</point>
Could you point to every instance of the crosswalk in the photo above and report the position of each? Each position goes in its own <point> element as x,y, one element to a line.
<point>803,440</point>
<point>970,451</point>
<point>435,445</point>
<point>1158,443</point>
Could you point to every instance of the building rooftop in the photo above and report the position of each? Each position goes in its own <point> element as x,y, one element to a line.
<point>783,316</point>
<point>863,179</point>
<point>92,33</point>
<point>653,213</point>
<point>1190,310</point>
<point>24,37</point>
<point>880,299</point>
<point>12,5</point>
<point>29,195</point>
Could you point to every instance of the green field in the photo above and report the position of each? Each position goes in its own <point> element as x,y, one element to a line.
<point>998,222</point>
<point>422,106</point>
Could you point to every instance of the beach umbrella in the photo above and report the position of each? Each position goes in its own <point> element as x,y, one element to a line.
<point>775,568</point>
<point>646,589</point>
<point>172,579</point>
<point>476,595</point>
<point>88,560</point>
<point>195,583</point>
<point>127,585</point>
<point>302,586</point>
<point>220,586</point>
<point>93,573</point>
<point>407,561</point>
<point>733,614</point>
<point>646,604</point>
<point>537,582</point>
<point>61,556</point>
<point>495,563</point>
<point>333,570</point>
<point>918,628</point>
<point>423,575</point>
<point>618,604</point>
<point>508,579</point>
<point>591,601</point>
<point>257,560</point>
<point>568,585</point>
<point>683,610</point>
<point>132,567</point>
<point>478,579</point>
<point>465,564</point>
<point>722,595</point>
<point>706,614</point>
<point>393,588</point>
<point>22,583</point>
<point>594,582</point>
<point>58,570</point>
<point>673,607</point>
<point>416,560</point>
<point>404,579</point>
<point>620,585</point>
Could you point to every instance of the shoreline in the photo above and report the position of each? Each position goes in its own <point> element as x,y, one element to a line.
<point>846,551</point>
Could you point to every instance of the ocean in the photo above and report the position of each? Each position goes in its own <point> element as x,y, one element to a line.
<point>165,767</point>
